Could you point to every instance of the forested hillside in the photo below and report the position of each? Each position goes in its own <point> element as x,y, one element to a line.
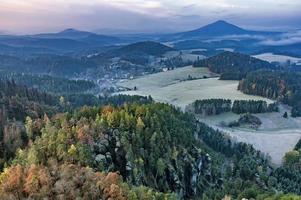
<point>283,86</point>
<point>140,53</point>
<point>134,151</point>
<point>233,66</point>
<point>17,103</point>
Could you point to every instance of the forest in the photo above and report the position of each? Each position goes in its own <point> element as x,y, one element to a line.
<point>48,83</point>
<point>57,65</point>
<point>212,106</point>
<point>233,66</point>
<point>279,85</point>
<point>110,151</point>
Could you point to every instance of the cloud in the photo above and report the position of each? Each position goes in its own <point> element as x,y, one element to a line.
<point>145,15</point>
<point>285,39</point>
<point>236,38</point>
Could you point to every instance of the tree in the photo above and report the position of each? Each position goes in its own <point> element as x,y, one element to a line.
<point>38,182</point>
<point>160,166</point>
<point>139,125</point>
<point>29,127</point>
<point>62,101</point>
<point>292,157</point>
<point>11,181</point>
<point>285,115</point>
<point>72,152</point>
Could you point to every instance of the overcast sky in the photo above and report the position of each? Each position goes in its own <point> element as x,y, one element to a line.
<point>32,16</point>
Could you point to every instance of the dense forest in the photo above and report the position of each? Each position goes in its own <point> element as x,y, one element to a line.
<point>125,139</point>
<point>111,152</point>
<point>253,106</point>
<point>56,65</point>
<point>212,106</point>
<point>218,106</point>
<point>49,83</point>
<point>283,86</point>
<point>17,103</point>
<point>233,66</point>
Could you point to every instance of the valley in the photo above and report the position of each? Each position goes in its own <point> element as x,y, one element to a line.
<point>208,113</point>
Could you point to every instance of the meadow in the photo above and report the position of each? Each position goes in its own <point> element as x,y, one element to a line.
<point>175,88</point>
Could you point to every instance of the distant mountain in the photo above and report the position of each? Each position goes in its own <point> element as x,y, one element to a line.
<point>216,29</point>
<point>82,36</point>
<point>69,40</point>
<point>77,35</point>
<point>68,33</point>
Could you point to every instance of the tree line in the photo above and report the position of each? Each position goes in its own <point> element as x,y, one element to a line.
<point>218,106</point>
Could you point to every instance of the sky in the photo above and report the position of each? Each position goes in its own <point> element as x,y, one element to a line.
<point>150,16</point>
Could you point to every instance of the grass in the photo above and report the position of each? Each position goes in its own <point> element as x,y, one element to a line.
<point>173,87</point>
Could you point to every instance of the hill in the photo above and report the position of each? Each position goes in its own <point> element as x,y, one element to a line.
<point>148,48</point>
<point>135,58</point>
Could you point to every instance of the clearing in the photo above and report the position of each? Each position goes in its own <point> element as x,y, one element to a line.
<point>174,87</point>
